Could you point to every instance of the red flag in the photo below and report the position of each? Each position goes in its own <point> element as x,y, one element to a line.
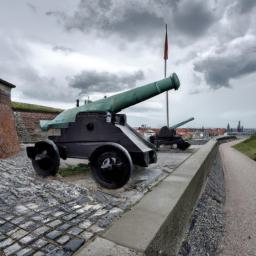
<point>166,44</point>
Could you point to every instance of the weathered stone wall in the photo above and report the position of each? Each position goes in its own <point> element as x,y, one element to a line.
<point>9,144</point>
<point>27,125</point>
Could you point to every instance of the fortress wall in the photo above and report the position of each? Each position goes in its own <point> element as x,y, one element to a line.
<point>9,143</point>
<point>27,125</point>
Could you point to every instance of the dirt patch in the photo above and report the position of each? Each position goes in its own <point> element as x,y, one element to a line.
<point>74,170</point>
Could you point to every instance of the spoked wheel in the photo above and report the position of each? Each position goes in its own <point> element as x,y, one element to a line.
<point>46,160</point>
<point>111,167</point>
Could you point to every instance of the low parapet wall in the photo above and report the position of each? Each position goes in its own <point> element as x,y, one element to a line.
<point>156,225</point>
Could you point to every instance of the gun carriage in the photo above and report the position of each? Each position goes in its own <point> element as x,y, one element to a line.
<point>168,136</point>
<point>95,131</point>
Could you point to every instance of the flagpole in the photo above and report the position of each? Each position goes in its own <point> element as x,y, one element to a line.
<point>167,96</point>
<point>165,68</point>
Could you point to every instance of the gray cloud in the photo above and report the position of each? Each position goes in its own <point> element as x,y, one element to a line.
<point>197,88</point>
<point>136,23</point>
<point>127,19</point>
<point>61,48</point>
<point>132,19</point>
<point>26,76</point>
<point>61,16</point>
<point>245,6</point>
<point>236,20</point>
<point>104,82</point>
<point>193,18</point>
<point>32,7</point>
<point>43,87</point>
<point>188,57</point>
<point>34,85</point>
<point>230,61</point>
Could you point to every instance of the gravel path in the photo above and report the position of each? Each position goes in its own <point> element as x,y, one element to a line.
<point>240,207</point>
<point>207,223</point>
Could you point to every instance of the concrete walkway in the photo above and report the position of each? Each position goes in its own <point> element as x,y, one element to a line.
<point>240,207</point>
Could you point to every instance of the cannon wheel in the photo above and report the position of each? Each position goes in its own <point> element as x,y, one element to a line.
<point>46,160</point>
<point>111,166</point>
<point>152,139</point>
<point>183,145</point>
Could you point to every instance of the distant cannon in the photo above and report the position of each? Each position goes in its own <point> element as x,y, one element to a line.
<point>167,136</point>
<point>96,132</point>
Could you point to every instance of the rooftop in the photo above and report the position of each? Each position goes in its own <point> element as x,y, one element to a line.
<point>7,83</point>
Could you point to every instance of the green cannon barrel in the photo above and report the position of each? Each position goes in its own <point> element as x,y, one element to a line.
<point>182,123</point>
<point>115,103</point>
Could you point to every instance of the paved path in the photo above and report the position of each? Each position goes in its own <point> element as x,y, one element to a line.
<point>55,217</point>
<point>240,207</point>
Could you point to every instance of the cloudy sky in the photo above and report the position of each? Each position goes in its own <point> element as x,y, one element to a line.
<point>57,51</point>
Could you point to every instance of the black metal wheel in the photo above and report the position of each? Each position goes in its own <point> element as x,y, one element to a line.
<point>183,145</point>
<point>111,167</point>
<point>46,160</point>
<point>152,139</point>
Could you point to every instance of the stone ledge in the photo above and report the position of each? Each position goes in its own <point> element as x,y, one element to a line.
<point>157,223</point>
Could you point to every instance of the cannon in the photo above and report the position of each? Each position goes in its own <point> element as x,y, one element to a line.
<point>167,136</point>
<point>95,131</point>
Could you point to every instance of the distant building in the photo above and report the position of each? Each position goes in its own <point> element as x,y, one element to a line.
<point>189,133</point>
<point>228,127</point>
<point>239,129</point>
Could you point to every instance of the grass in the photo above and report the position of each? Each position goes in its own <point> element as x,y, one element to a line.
<point>248,147</point>
<point>34,108</point>
<point>74,170</point>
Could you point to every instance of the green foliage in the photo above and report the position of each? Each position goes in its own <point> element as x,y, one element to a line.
<point>248,147</point>
<point>74,170</point>
<point>34,108</point>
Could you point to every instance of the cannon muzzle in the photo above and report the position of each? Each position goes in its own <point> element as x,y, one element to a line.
<point>115,103</point>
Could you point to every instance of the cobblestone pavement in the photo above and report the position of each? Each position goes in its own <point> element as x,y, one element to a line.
<point>51,217</point>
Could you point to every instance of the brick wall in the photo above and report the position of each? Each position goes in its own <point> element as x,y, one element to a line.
<point>27,125</point>
<point>9,144</point>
